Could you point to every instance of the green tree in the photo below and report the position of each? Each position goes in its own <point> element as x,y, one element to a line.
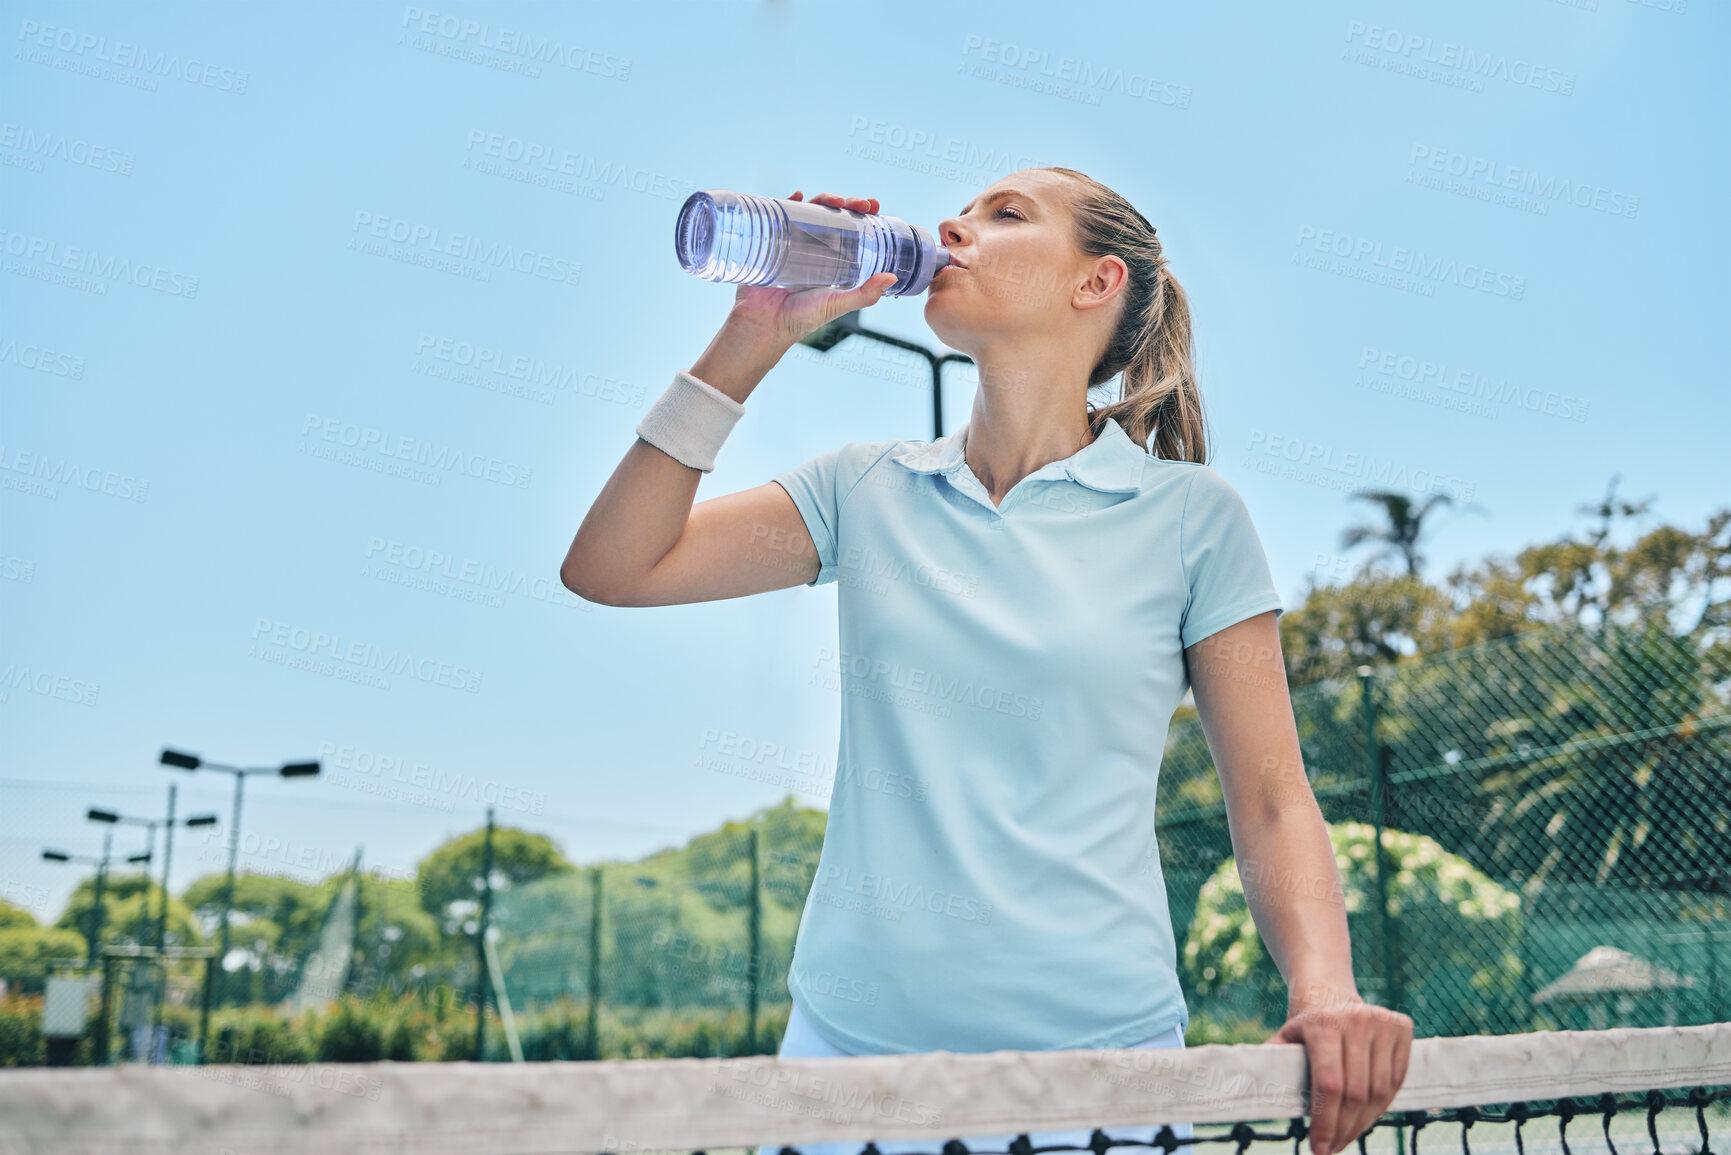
<point>396,940</point>
<point>1460,930</point>
<point>1375,620</point>
<point>450,877</point>
<point>13,917</point>
<point>131,902</point>
<point>674,927</point>
<point>1676,579</point>
<point>1587,758</point>
<point>278,922</point>
<point>1670,577</point>
<point>27,951</point>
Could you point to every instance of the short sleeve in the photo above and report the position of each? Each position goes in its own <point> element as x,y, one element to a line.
<point>1224,564</point>
<point>821,487</point>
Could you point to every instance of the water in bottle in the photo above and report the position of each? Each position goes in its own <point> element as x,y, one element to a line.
<point>740,239</point>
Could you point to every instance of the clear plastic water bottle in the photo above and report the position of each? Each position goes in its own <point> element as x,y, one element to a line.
<point>740,239</point>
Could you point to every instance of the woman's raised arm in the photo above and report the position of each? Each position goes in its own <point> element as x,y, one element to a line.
<point>643,543</point>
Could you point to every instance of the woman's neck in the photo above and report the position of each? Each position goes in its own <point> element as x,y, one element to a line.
<point>1019,424</point>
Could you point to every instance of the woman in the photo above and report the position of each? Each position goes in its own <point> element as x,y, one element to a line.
<point>1023,604</point>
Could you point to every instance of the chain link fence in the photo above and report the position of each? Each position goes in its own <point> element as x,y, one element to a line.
<point>686,953</point>
<point>1556,846</point>
<point>1533,833</point>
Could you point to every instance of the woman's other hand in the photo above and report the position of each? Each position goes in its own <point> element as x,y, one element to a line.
<point>1358,1057</point>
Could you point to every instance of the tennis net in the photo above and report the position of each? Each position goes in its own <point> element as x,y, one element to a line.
<point>1621,1092</point>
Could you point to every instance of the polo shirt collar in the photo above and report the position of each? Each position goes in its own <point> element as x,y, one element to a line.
<point>1111,463</point>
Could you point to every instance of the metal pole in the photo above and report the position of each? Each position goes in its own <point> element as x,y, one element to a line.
<point>100,1044</point>
<point>592,1040</point>
<point>167,860</point>
<point>352,978</point>
<point>1391,994</point>
<point>96,911</point>
<point>143,930</point>
<point>228,890</point>
<point>204,1011</point>
<point>162,918</point>
<point>754,930</point>
<point>481,941</point>
<point>937,397</point>
<point>1373,762</point>
<point>849,326</point>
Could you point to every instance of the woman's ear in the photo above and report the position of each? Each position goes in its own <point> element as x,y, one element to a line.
<point>1105,282</point>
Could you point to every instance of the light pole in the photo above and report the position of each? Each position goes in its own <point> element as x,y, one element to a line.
<point>848,325</point>
<point>169,823</point>
<point>101,864</point>
<point>183,761</point>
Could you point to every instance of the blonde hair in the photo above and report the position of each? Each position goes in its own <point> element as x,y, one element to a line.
<point>1152,344</point>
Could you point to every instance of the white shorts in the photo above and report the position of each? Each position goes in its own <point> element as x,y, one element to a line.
<point>802,1042</point>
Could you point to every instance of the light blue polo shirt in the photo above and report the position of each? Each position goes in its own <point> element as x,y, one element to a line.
<point>1007,675</point>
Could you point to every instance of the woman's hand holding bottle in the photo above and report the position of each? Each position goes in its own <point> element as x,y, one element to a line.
<point>782,316</point>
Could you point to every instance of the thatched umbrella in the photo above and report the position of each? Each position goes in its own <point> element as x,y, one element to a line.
<point>1605,971</point>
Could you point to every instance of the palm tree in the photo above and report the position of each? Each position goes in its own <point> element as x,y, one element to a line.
<point>1405,526</point>
<point>1609,508</point>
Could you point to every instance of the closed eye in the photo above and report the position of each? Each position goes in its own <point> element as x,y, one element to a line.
<point>1011,211</point>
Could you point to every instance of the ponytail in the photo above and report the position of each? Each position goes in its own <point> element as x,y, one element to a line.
<point>1160,406</point>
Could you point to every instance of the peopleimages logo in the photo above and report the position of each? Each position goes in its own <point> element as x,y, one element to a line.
<point>365,656</point>
<point>552,160</point>
<point>48,145</point>
<point>447,786</point>
<point>467,247</point>
<point>531,370</point>
<point>933,683</point>
<point>1413,264</point>
<point>366,439</point>
<point>41,359</point>
<point>1423,373</point>
<point>126,55</point>
<point>848,990</point>
<point>48,684</point>
<point>863,131</point>
<point>1310,460</point>
<point>905,895</point>
<point>64,471</point>
<point>516,42</point>
<point>1472,169</point>
<point>1467,62</point>
<point>105,268</point>
<point>476,581</point>
<point>1090,79</point>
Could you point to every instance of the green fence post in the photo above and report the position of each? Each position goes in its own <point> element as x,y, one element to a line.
<point>481,941</point>
<point>1393,996</point>
<point>592,1040</point>
<point>754,930</point>
<point>1373,764</point>
<point>99,1045</point>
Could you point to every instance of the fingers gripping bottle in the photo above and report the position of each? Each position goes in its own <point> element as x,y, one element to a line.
<point>748,240</point>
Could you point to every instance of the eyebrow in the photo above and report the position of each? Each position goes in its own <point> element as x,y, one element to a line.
<point>998,196</point>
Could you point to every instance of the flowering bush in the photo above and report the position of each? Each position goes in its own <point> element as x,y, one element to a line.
<point>1458,930</point>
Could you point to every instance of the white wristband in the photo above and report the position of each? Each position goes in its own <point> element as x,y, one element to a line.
<point>690,421</point>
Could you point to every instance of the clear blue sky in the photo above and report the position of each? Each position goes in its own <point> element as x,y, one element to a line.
<point>1526,196</point>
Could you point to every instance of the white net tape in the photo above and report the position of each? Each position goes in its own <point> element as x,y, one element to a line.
<point>701,1104</point>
